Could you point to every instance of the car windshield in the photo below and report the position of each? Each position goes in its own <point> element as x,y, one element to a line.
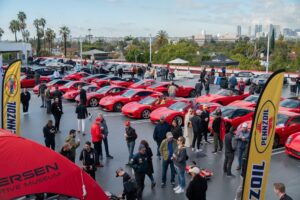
<point>251,98</point>
<point>155,85</point>
<point>68,84</point>
<point>86,87</point>
<point>129,93</point>
<point>264,76</point>
<point>290,103</point>
<point>52,82</point>
<point>226,111</point>
<point>281,119</point>
<point>103,90</point>
<point>243,74</point>
<point>178,106</point>
<point>148,101</point>
<point>225,93</point>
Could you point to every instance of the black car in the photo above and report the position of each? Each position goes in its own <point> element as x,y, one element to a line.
<point>43,71</point>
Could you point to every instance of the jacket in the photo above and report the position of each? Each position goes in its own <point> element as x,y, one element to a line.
<point>149,155</point>
<point>196,124</point>
<point>197,188</point>
<point>205,115</point>
<point>96,133</point>
<point>131,134</point>
<point>233,81</point>
<point>57,94</point>
<point>56,109</point>
<point>285,197</point>
<point>198,87</point>
<point>81,111</point>
<point>180,160</point>
<point>216,125</point>
<point>25,97</point>
<point>160,131</point>
<point>163,149</point>
<point>229,143</point>
<point>42,89</point>
<point>82,95</point>
<point>176,131</point>
<point>242,144</point>
<point>104,129</point>
<point>139,163</point>
<point>49,133</point>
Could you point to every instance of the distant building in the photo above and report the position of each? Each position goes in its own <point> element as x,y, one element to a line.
<point>203,39</point>
<point>239,31</point>
<point>257,29</point>
<point>249,31</point>
<point>226,38</point>
<point>276,29</point>
<point>22,50</point>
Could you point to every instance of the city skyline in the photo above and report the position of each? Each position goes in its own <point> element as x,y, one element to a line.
<point>180,18</point>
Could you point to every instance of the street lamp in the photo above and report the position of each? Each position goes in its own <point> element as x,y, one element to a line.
<point>136,55</point>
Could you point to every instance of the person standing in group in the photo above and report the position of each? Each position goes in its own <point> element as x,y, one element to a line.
<point>176,130</point>
<point>56,74</point>
<point>197,130</point>
<point>25,98</point>
<point>197,188</point>
<point>232,82</point>
<point>129,185</point>
<point>160,132</point>
<point>82,94</point>
<point>56,112</point>
<point>230,146</point>
<point>58,94</point>
<point>37,77</point>
<point>205,121</point>
<point>66,151</point>
<point>251,88</point>
<point>216,131</point>
<point>139,165</point>
<point>172,89</point>
<point>241,86</point>
<point>41,92</point>
<point>48,100</point>
<point>150,170</point>
<point>97,137</point>
<point>120,72</point>
<point>202,76</point>
<point>167,72</point>
<point>49,135</point>
<point>223,71</point>
<point>298,84</point>
<point>242,138</point>
<point>104,129</point>
<point>82,114</point>
<point>88,159</point>
<point>188,129</point>
<point>279,190</point>
<point>130,137</point>
<point>167,148</point>
<point>198,88</point>
<point>206,84</point>
<point>212,71</point>
<point>71,139</point>
<point>179,158</point>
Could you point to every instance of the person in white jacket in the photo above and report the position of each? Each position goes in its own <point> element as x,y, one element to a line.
<point>188,130</point>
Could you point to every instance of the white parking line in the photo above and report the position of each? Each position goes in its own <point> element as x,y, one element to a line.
<point>112,114</point>
<point>277,152</point>
<point>140,121</point>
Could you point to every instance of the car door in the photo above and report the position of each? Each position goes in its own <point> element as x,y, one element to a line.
<point>180,91</point>
<point>292,126</point>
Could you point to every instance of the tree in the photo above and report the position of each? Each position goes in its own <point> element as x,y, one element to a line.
<point>161,39</point>
<point>36,24</point>
<point>21,18</point>
<point>49,37</point>
<point>26,35</point>
<point>14,27</point>
<point>272,41</point>
<point>1,33</point>
<point>64,32</point>
<point>43,24</point>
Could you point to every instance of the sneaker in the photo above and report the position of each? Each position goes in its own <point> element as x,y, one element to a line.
<point>110,157</point>
<point>176,188</point>
<point>153,185</point>
<point>207,142</point>
<point>214,152</point>
<point>199,150</point>
<point>179,191</point>
<point>163,185</point>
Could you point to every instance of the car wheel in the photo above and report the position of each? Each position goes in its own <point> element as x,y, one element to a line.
<point>93,102</point>
<point>276,142</point>
<point>179,120</point>
<point>118,106</point>
<point>193,93</point>
<point>146,114</point>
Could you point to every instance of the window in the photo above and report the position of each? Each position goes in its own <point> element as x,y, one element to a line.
<point>240,112</point>
<point>296,120</point>
<point>144,94</point>
<point>290,103</point>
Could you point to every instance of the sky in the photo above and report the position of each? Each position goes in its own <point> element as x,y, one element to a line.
<point>118,18</point>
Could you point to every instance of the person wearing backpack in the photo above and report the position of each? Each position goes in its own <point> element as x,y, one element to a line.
<point>130,137</point>
<point>129,185</point>
<point>230,145</point>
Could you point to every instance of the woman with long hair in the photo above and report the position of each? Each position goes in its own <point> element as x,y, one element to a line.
<point>188,131</point>
<point>150,170</point>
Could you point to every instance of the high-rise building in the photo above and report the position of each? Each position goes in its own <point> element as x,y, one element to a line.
<point>258,29</point>
<point>249,31</point>
<point>239,31</point>
<point>276,29</point>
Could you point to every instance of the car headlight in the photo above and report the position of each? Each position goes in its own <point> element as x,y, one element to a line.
<point>288,141</point>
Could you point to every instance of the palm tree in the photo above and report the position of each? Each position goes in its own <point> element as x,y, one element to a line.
<point>161,39</point>
<point>36,24</point>
<point>22,17</point>
<point>1,33</point>
<point>64,32</point>
<point>14,26</point>
<point>26,35</point>
<point>49,37</point>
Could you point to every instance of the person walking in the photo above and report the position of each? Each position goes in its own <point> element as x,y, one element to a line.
<point>176,130</point>
<point>82,94</point>
<point>97,137</point>
<point>88,159</point>
<point>241,86</point>
<point>197,130</point>
<point>66,151</point>
<point>129,185</point>
<point>279,190</point>
<point>160,132</point>
<point>150,169</point>
<point>49,135</point>
<point>179,158</point>
<point>41,93</point>
<point>167,148</point>
<point>71,139</point>
<point>198,88</point>
<point>56,112</point>
<point>48,100</point>
<point>217,131</point>
<point>197,188</point>
<point>104,129</point>
<point>82,114</point>
<point>230,146</point>
<point>172,89</point>
<point>232,82</point>
<point>130,137</point>
<point>242,138</point>
<point>139,165</point>
<point>25,98</point>
<point>188,129</point>
<point>205,121</point>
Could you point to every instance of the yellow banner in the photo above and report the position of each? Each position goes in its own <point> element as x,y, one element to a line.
<point>262,138</point>
<point>11,95</point>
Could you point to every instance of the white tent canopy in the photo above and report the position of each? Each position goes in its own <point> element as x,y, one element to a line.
<point>178,61</point>
<point>93,52</point>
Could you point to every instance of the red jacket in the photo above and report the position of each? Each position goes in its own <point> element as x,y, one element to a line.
<point>96,132</point>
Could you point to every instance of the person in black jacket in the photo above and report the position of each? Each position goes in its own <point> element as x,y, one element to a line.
<point>49,135</point>
<point>198,88</point>
<point>197,187</point>
<point>205,120</point>
<point>130,136</point>
<point>82,94</point>
<point>197,130</point>
<point>150,170</point>
<point>279,190</point>
<point>88,159</point>
<point>58,94</point>
<point>176,130</point>
<point>230,146</point>
<point>56,112</point>
<point>120,72</point>
<point>216,130</point>
<point>160,132</point>
<point>25,98</point>
<point>82,114</point>
<point>129,191</point>
<point>66,151</point>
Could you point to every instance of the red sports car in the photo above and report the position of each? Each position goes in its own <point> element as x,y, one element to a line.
<point>72,85</point>
<point>292,145</point>
<point>105,81</point>
<point>291,104</point>
<point>144,107</point>
<point>175,111</point>
<point>182,91</point>
<point>90,78</point>
<point>143,84</point>
<point>126,82</point>
<point>115,103</point>
<point>210,106</point>
<point>29,82</point>
<point>72,94</point>
<point>249,101</point>
<point>76,76</point>
<point>51,84</point>
<point>223,97</point>
<point>93,98</point>
<point>232,116</point>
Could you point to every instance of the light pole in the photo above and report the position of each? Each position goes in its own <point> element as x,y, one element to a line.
<point>150,50</point>
<point>136,55</point>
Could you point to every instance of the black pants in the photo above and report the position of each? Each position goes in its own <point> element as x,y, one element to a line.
<point>105,146</point>
<point>140,180</point>
<point>228,162</point>
<point>204,133</point>
<point>91,173</point>
<point>25,107</point>
<point>57,121</point>
<point>50,144</point>
<point>98,148</point>
<point>167,74</point>
<point>218,142</point>
<point>197,137</point>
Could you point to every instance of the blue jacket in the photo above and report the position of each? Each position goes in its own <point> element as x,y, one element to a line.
<point>160,131</point>
<point>233,81</point>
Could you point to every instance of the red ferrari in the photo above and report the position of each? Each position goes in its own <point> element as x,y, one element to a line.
<point>175,111</point>
<point>76,76</point>
<point>292,145</point>
<point>29,82</point>
<point>182,91</point>
<point>126,82</point>
<point>90,78</point>
<point>249,101</point>
<point>51,84</point>
<point>223,97</point>
<point>115,103</point>
<point>72,94</point>
<point>93,98</point>
<point>210,106</point>
<point>72,85</point>
<point>144,107</point>
<point>143,84</point>
<point>291,104</point>
<point>105,81</point>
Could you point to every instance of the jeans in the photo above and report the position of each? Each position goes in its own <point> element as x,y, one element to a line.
<point>158,145</point>
<point>181,177</point>
<point>50,144</point>
<point>228,162</point>
<point>218,142</point>
<point>151,177</point>
<point>57,121</point>
<point>82,123</point>
<point>130,146</point>
<point>48,106</point>
<point>25,107</point>
<point>165,165</point>
<point>140,181</point>
<point>43,100</point>
<point>241,151</point>
<point>197,137</point>
<point>105,146</point>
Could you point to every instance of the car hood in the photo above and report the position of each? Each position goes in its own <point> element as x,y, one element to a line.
<point>163,111</point>
<point>241,103</point>
<point>132,106</point>
<point>208,98</point>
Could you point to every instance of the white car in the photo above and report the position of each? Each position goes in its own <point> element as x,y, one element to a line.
<point>246,76</point>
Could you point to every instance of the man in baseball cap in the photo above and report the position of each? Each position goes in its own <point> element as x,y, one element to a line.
<point>197,187</point>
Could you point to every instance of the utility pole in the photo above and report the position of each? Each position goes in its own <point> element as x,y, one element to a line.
<point>150,57</point>
<point>268,52</point>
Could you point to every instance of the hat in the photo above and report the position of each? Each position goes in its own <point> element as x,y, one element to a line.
<point>169,135</point>
<point>244,125</point>
<point>142,147</point>
<point>198,112</point>
<point>97,119</point>
<point>162,117</point>
<point>194,170</point>
<point>127,123</point>
<point>120,169</point>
